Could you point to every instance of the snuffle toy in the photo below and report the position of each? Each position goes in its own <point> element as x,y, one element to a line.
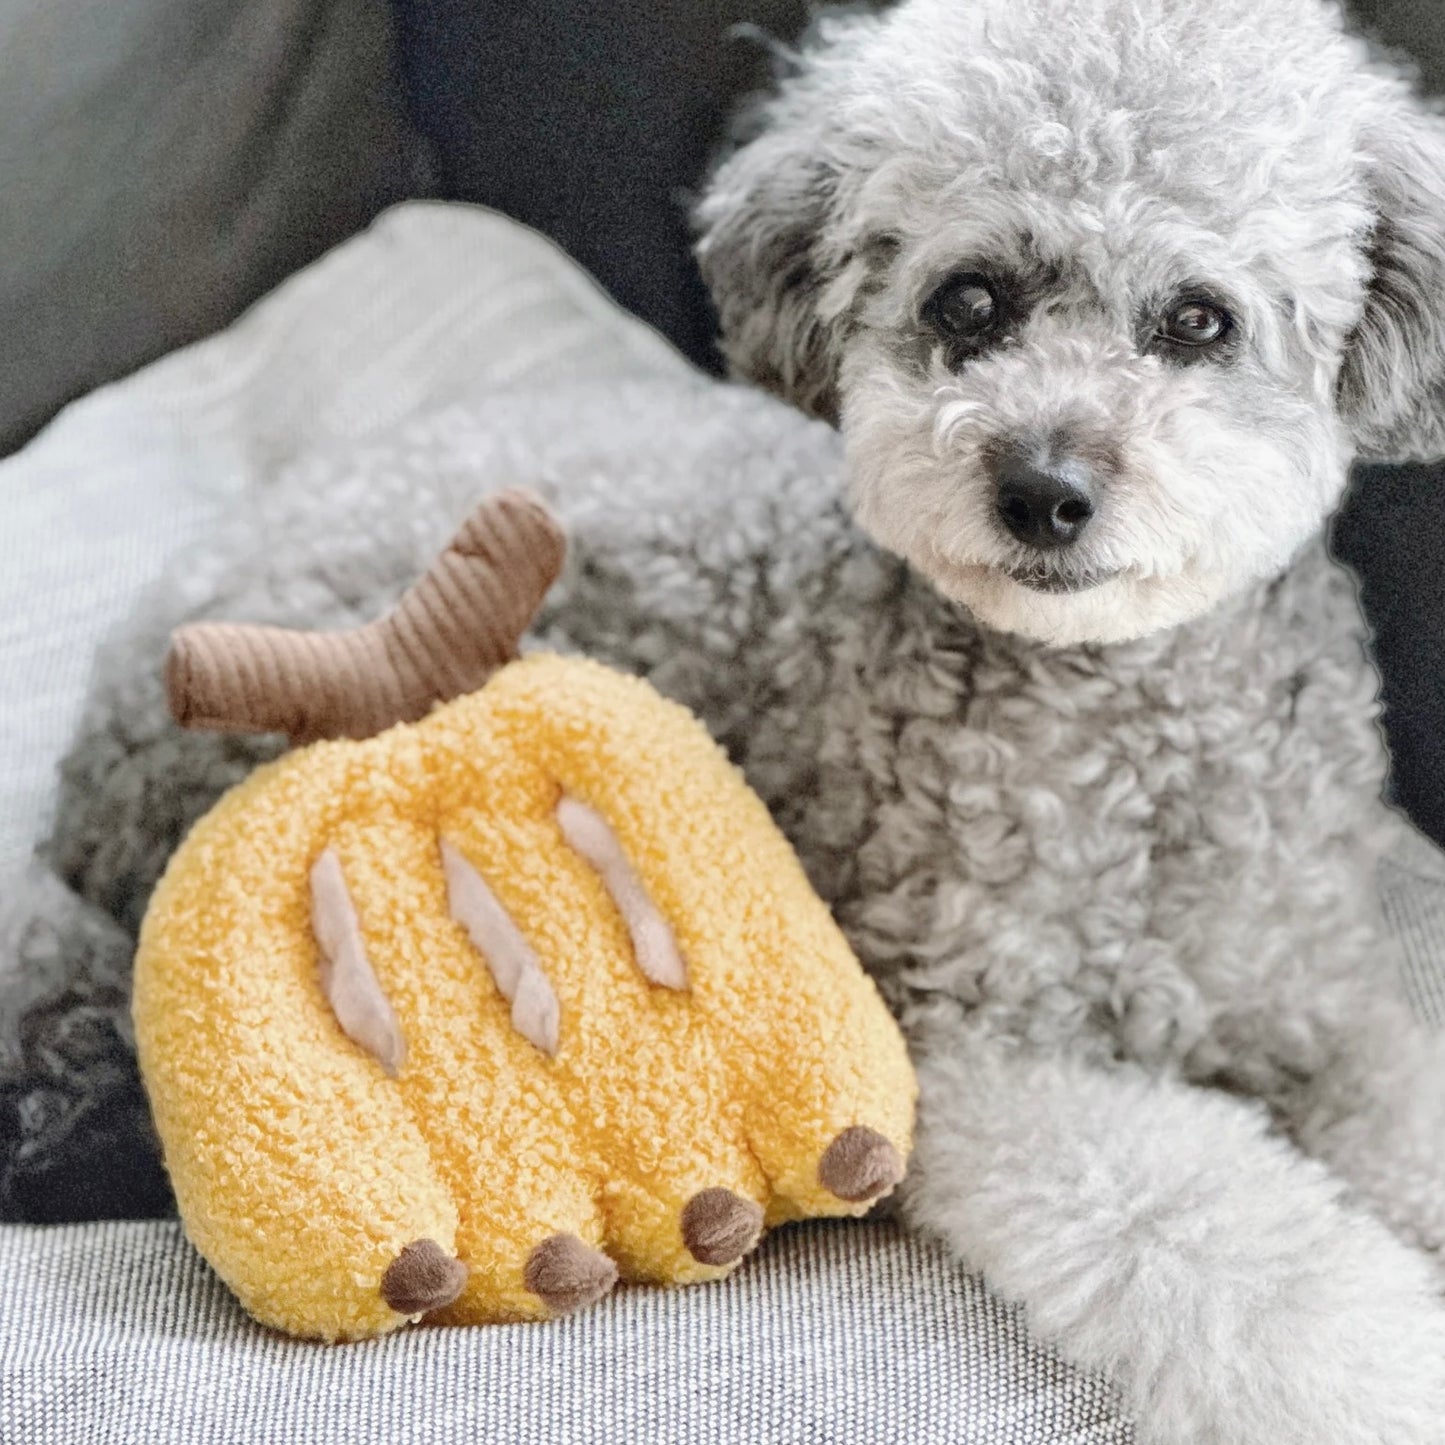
<point>480,1007</point>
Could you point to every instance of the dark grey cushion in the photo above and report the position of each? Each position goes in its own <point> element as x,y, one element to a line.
<point>1392,533</point>
<point>164,162</point>
<point>592,120</point>
<point>1415,26</point>
<point>1393,530</point>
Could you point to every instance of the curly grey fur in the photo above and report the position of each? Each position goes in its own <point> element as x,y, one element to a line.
<point>1121,896</point>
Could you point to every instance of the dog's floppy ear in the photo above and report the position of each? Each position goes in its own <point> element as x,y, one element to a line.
<point>1392,388</point>
<point>761,225</point>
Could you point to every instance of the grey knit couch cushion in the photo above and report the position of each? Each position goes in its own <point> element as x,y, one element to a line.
<point>833,1334</point>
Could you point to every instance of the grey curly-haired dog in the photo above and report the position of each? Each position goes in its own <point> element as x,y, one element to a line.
<point>1103,297</point>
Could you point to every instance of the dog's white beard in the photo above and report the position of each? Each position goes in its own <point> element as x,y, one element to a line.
<point>1119,610</point>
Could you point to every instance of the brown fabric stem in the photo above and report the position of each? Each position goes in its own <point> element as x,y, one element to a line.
<point>445,637</point>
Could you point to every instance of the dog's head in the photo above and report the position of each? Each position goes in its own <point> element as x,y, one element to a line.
<point>1105,295</point>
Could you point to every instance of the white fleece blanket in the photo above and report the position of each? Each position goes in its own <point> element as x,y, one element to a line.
<point>432,305</point>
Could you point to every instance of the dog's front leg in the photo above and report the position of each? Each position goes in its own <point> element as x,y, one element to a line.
<point>1162,1235</point>
<point>1376,1116</point>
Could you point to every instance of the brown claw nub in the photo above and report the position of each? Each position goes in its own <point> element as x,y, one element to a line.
<point>422,1277</point>
<point>719,1227</point>
<point>860,1164</point>
<point>567,1275</point>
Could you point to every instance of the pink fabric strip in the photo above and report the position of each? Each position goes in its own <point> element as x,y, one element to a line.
<point>536,1013</point>
<point>347,977</point>
<point>652,940</point>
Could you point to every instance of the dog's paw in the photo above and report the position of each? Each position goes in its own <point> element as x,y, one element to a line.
<point>1350,1351</point>
<point>1168,1238</point>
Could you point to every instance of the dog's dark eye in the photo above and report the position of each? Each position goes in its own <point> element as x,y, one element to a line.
<point>964,308</point>
<point>1197,323</point>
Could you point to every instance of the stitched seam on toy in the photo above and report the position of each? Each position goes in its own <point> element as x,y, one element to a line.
<point>654,945</point>
<point>348,978</point>
<point>509,958</point>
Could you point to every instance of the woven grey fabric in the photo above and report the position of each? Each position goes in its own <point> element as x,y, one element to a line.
<point>833,1333</point>
<point>1412,887</point>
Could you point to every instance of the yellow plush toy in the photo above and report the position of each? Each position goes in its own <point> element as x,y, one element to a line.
<point>470,1018</point>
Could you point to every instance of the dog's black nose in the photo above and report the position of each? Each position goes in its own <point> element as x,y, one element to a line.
<point>1043,502</point>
